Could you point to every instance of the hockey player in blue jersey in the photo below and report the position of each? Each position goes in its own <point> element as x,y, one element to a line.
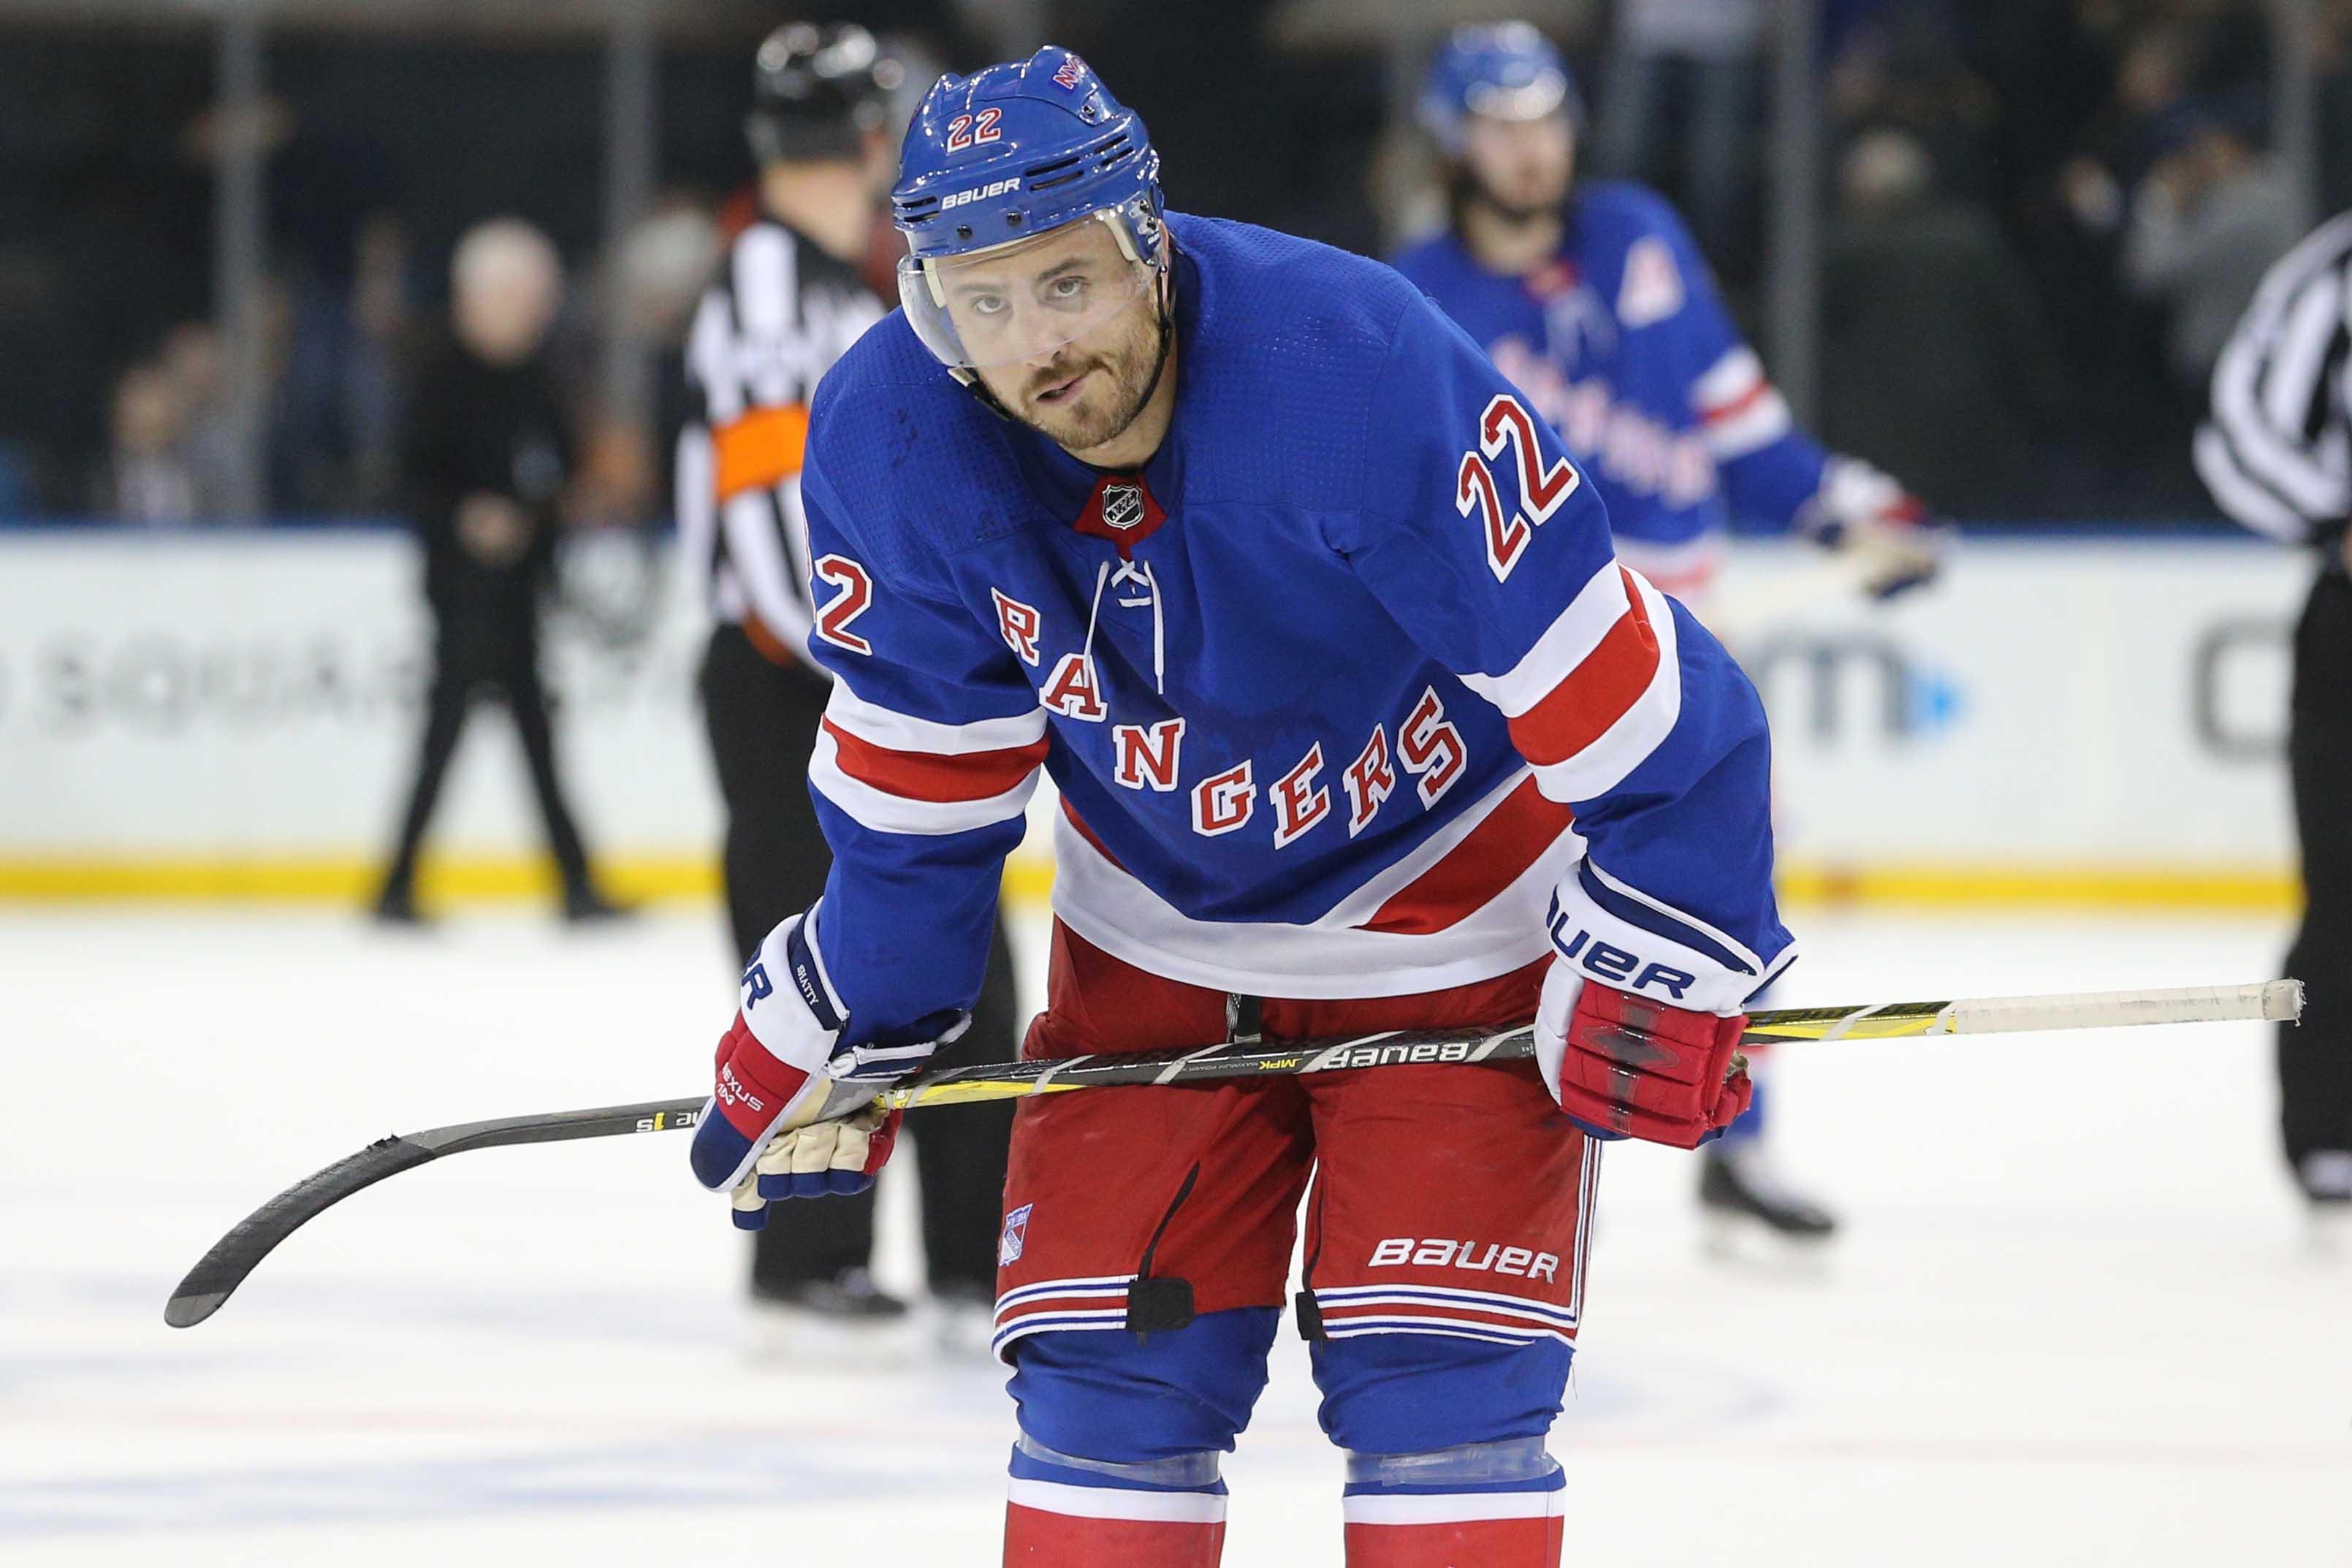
<point>1591,297</point>
<point>1358,723</point>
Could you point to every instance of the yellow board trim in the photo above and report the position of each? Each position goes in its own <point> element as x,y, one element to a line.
<point>1029,882</point>
<point>2107,888</point>
<point>330,879</point>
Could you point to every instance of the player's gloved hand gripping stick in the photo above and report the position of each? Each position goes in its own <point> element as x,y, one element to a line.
<point>775,1127</point>
<point>235,1255</point>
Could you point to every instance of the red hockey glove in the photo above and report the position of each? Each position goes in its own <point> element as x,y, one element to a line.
<point>1626,1067</point>
<point>783,1065</point>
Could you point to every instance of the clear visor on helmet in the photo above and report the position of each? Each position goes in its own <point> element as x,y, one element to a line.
<point>1527,100</point>
<point>1027,299</point>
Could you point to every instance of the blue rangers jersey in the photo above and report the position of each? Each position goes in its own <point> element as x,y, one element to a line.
<point>1622,345</point>
<point>1338,690</point>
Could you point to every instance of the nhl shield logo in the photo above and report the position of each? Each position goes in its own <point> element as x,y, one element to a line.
<point>1017,1237</point>
<point>1122,506</point>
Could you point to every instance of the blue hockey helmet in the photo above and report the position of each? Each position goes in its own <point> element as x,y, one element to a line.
<point>993,163</point>
<point>1506,70</point>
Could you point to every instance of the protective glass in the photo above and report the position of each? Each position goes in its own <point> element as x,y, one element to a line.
<point>1024,301</point>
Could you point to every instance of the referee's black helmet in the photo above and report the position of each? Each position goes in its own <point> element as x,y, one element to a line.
<point>818,90</point>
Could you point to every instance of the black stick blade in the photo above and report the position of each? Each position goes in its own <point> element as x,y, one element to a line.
<point>237,1254</point>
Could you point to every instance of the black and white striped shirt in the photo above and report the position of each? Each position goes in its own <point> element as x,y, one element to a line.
<point>764,334</point>
<point>2277,453</point>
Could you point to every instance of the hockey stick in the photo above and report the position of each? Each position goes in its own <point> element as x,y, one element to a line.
<point>237,1254</point>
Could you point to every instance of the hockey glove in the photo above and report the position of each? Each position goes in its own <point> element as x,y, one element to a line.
<point>1624,1066</point>
<point>782,1066</point>
<point>824,1158</point>
<point>1887,531</point>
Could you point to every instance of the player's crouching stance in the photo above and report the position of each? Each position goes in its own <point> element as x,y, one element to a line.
<point>1325,645</point>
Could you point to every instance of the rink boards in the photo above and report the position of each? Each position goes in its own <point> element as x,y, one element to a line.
<point>2089,720</point>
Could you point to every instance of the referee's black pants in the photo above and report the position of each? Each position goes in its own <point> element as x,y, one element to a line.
<point>486,643</point>
<point>2315,1059</point>
<point>763,717</point>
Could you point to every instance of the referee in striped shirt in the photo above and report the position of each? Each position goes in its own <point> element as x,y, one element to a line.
<point>2277,454</point>
<point>789,303</point>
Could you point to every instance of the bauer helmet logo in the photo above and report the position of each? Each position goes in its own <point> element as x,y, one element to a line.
<point>978,193</point>
<point>1122,506</point>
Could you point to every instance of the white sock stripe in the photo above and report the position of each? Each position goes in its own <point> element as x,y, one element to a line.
<point>1107,1503</point>
<point>1455,1508</point>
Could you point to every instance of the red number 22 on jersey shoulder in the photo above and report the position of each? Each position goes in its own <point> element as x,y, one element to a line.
<point>1506,423</point>
<point>856,596</point>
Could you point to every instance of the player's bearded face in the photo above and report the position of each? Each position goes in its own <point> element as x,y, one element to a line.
<point>1521,168</point>
<point>1064,332</point>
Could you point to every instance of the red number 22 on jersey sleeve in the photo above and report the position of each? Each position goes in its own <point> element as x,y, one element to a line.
<point>1507,424</point>
<point>855,598</point>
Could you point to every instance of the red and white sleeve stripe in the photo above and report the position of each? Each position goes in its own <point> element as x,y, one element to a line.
<point>896,773</point>
<point>1739,410</point>
<point>1600,689</point>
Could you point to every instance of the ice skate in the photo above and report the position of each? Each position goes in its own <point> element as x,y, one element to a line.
<point>1742,1195</point>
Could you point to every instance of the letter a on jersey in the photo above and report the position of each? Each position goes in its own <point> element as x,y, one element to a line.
<point>1074,691</point>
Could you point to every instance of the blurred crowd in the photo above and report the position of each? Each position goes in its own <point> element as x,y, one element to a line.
<point>2064,207</point>
<point>2061,204</point>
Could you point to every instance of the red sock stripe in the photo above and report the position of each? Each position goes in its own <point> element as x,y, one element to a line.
<point>1471,1544</point>
<point>1036,1538</point>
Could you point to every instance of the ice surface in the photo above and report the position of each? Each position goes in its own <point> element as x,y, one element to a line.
<point>2070,1321</point>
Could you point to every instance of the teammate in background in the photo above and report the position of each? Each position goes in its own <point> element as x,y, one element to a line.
<point>789,305</point>
<point>2272,454</point>
<point>485,458</point>
<point>1593,300</point>
<point>1322,638</point>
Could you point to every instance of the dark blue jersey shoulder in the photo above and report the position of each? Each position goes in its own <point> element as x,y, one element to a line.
<point>1285,340</point>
